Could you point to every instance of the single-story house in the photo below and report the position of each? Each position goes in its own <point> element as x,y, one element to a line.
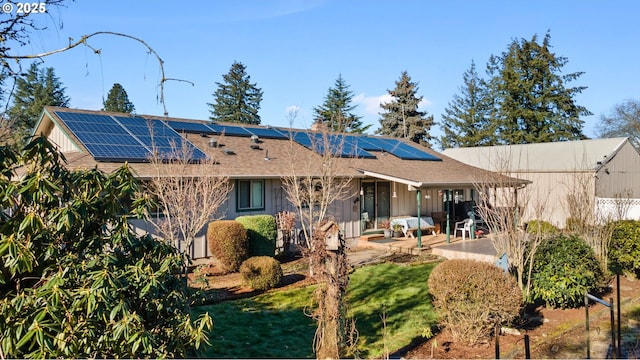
<point>601,172</point>
<point>391,177</point>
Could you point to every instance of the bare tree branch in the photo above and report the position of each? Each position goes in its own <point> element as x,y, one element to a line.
<point>83,41</point>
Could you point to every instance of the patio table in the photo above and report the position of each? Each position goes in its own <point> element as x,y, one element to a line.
<point>410,224</point>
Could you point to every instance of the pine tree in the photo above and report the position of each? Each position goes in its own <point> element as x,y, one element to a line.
<point>467,119</point>
<point>401,117</point>
<point>236,99</point>
<point>533,101</point>
<point>35,90</point>
<point>336,111</point>
<point>118,100</point>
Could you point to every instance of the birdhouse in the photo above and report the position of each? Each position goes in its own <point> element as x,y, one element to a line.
<point>332,235</point>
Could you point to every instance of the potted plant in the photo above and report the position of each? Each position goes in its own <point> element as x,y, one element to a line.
<point>386,225</point>
<point>397,230</point>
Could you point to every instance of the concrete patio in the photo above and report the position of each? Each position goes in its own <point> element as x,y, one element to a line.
<point>477,249</point>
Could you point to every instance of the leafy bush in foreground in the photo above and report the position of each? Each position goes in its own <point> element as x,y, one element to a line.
<point>75,279</point>
<point>624,248</point>
<point>473,297</point>
<point>564,269</point>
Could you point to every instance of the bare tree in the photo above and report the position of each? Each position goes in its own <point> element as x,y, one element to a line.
<point>317,179</point>
<point>189,194</point>
<point>505,203</point>
<point>587,219</point>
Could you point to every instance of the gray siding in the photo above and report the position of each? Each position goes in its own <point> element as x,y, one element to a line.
<point>620,175</point>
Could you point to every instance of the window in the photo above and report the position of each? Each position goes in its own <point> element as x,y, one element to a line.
<point>250,195</point>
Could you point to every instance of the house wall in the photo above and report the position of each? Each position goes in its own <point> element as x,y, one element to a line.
<point>62,140</point>
<point>546,197</point>
<point>620,176</point>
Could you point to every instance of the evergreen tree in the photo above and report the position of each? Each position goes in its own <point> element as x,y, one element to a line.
<point>118,100</point>
<point>336,110</point>
<point>401,117</point>
<point>35,90</point>
<point>534,104</point>
<point>467,120</point>
<point>236,99</point>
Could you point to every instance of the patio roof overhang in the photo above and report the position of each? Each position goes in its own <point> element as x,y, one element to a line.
<point>415,185</point>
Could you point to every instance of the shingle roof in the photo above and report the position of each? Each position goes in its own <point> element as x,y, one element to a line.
<point>279,157</point>
<point>554,157</point>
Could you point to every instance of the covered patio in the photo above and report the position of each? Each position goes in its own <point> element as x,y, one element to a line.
<point>478,249</point>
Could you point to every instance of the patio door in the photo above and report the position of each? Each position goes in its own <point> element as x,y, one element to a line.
<point>375,203</point>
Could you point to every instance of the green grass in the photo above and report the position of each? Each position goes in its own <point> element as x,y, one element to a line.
<point>397,292</point>
<point>275,324</point>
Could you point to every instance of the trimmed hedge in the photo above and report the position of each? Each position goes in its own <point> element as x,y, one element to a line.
<point>261,272</point>
<point>542,227</point>
<point>473,296</point>
<point>228,243</point>
<point>564,269</point>
<point>262,231</point>
<point>624,248</point>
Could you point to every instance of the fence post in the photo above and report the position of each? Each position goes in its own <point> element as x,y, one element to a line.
<point>614,352</point>
<point>586,307</point>
<point>497,335</point>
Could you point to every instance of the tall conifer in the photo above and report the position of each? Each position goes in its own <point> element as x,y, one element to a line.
<point>535,105</point>
<point>35,90</point>
<point>118,100</point>
<point>236,99</point>
<point>336,111</point>
<point>401,117</point>
<point>466,121</point>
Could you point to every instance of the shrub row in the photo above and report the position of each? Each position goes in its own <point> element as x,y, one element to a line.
<point>233,241</point>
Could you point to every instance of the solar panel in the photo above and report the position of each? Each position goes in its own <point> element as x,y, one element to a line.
<point>158,136</point>
<point>342,143</point>
<point>196,128</point>
<point>267,133</point>
<point>229,130</point>
<point>105,139</point>
<point>395,147</point>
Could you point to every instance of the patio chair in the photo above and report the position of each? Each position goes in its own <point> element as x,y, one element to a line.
<point>464,227</point>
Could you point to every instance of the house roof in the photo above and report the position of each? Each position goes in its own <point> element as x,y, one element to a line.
<point>563,156</point>
<point>238,157</point>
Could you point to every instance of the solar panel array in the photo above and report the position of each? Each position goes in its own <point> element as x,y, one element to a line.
<point>233,130</point>
<point>118,138</point>
<point>361,146</point>
<point>121,138</point>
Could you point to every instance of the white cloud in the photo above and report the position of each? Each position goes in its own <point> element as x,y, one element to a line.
<point>372,103</point>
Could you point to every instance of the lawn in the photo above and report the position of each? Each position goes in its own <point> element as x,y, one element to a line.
<point>389,303</point>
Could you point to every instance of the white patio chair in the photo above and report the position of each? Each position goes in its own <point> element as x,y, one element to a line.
<point>464,227</point>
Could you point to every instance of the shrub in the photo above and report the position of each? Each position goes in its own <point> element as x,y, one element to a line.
<point>472,297</point>
<point>262,231</point>
<point>574,224</point>
<point>542,228</point>
<point>564,269</point>
<point>624,248</point>
<point>261,272</point>
<point>228,243</point>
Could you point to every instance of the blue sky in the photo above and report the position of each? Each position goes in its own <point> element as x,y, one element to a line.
<point>295,49</point>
